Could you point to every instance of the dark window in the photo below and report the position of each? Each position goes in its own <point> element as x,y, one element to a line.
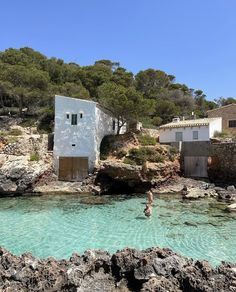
<point>113,125</point>
<point>195,135</point>
<point>81,115</point>
<point>73,145</point>
<point>178,136</point>
<point>232,124</point>
<point>74,119</point>
<point>67,116</point>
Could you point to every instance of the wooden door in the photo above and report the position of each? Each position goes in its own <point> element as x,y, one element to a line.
<point>195,166</point>
<point>73,168</point>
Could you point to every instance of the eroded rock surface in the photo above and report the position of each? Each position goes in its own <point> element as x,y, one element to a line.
<point>115,176</point>
<point>153,269</point>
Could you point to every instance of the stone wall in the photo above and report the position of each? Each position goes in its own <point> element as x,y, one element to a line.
<point>222,162</point>
<point>227,113</point>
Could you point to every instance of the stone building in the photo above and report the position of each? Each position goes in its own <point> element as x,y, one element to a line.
<point>80,126</point>
<point>228,115</point>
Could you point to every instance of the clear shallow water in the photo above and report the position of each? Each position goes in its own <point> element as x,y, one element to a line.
<point>60,225</point>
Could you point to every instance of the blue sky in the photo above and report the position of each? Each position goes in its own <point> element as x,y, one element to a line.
<point>195,40</point>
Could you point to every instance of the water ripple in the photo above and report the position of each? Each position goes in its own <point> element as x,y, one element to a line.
<point>57,226</point>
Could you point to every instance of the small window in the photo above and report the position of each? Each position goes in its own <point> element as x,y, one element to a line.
<point>81,115</point>
<point>195,135</point>
<point>73,145</point>
<point>74,119</point>
<point>113,125</point>
<point>67,116</point>
<point>232,124</point>
<point>178,136</point>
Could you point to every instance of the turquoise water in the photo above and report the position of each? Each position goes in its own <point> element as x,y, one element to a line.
<point>60,225</point>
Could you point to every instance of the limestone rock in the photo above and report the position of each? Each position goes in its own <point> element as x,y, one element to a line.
<point>18,174</point>
<point>153,269</point>
<point>114,175</point>
<point>231,208</point>
<point>226,195</point>
<point>196,193</point>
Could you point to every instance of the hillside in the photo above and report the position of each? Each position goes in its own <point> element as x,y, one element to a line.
<point>26,165</point>
<point>29,81</point>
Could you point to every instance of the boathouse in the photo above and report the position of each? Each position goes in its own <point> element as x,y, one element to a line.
<point>80,126</point>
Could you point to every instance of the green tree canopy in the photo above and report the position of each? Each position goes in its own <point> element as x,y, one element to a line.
<point>126,104</point>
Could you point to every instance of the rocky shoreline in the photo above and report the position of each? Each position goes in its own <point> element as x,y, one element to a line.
<point>153,269</point>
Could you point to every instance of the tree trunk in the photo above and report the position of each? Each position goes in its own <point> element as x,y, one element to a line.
<point>20,97</point>
<point>2,102</point>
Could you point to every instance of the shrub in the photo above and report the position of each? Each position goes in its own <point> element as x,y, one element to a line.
<point>120,154</point>
<point>3,133</point>
<point>15,132</point>
<point>146,140</point>
<point>129,161</point>
<point>145,154</point>
<point>11,140</point>
<point>45,124</point>
<point>148,123</point>
<point>27,123</point>
<point>34,156</point>
<point>173,150</point>
<point>157,121</point>
<point>225,134</point>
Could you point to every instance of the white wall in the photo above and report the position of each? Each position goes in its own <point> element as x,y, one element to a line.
<point>104,126</point>
<point>86,135</point>
<point>215,125</point>
<point>82,135</point>
<point>168,135</point>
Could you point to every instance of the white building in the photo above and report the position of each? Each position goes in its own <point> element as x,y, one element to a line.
<point>80,126</point>
<point>190,130</point>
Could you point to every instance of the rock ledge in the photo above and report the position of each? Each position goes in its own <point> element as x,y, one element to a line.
<point>153,269</point>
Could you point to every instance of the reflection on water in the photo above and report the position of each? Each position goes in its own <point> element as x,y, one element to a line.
<point>59,225</point>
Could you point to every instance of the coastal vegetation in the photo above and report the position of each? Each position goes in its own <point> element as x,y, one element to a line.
<point>29,81</point>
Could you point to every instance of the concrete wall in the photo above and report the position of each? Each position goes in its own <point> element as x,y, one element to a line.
<point>168,135</point>
<point>227,113</point>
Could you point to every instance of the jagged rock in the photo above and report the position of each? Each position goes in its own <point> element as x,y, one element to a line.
<point>196,193</point>
<point>153,269</point>
<point>226,195</point>
<point>18,174</point>
<point>117,176</point>
<point>160,284</point>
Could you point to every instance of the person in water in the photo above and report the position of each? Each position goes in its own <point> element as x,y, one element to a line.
<point>148,210</point>
<point>149,197</point>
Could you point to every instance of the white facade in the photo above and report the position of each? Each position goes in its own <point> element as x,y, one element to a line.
<point>83,138</point>
<point>190,130</point>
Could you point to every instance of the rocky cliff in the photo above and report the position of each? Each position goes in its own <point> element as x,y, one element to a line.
<point>114,176</point>
<point>153,269</point>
